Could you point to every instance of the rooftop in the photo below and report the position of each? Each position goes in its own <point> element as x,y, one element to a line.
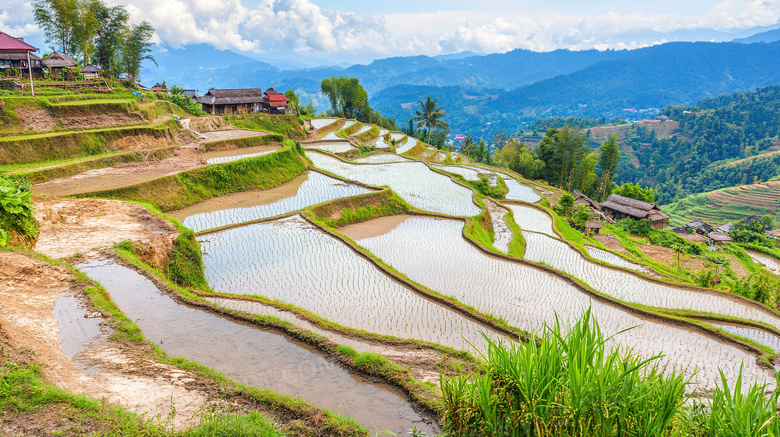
<point>9,43</point>
<point>232,96</point>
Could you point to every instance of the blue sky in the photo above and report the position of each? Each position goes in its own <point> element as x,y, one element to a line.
<point>361,30</point>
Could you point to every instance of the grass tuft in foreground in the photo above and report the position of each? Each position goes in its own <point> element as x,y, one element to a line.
<point>576,384</point>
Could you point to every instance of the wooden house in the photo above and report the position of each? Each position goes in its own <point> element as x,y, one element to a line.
<point>699,227</point>
<point>275,102</point>
<point>90,72</point>
<point>232,101</point>
<point>618,207</point>
<point>719,237</point>
<point>57,61</point>
<point>15,53</point>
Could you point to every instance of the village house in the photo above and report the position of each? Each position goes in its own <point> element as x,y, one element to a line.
<point>17,54</point>
<point>57,61</point>
<point>232,101</point>
<point>275,102</point>
<point>699,227</point>
<point>90,72</point>
<point>718,237</point>
<point>618,207</point>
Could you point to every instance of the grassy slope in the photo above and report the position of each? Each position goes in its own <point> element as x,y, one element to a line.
<point>728,204</point>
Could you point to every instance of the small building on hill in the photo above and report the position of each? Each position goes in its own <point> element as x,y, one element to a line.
<point>618,207</point>
<point>275,102</point>
<point>17,54</point>
<point>699,227</point>
<point>719,237</point>
<point>232,101</point>
<point>90,72</point>
<point>57,61</point>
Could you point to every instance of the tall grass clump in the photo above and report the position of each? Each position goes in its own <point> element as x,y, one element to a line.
<point>564,384</point>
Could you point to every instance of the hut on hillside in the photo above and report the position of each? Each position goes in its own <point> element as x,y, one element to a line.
<point>232,101</point>
<point>90,72</point>
<point>719,237</point>
<point>275,102</point>
<point>699,227</point>
<point>57,61</point>
<point>17,54</point>
<point>618,207</point>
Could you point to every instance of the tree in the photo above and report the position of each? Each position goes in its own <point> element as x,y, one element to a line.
<point>608,163</point>
<point>57,19</point>
<point>468,145</point>
<point>85,30</point>
<point>294,102</point>
<point>635,191</point>
<point>561,150</point>
<point>137,48</point>
<point>430,116</point>
<point>565,205</point>
<point>349,99</point>
<point>109,37</point>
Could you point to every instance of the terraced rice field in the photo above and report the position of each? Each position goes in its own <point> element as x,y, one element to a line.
<point>771,263</point>
<point>467,173</point>
<point>611,258</point>
<point>331,136</point>
<point>528,298</point>
<point>319,123</point>
<point>381,143</point>
<point>517,191</point>
<point>728,204</point>
<point>381,158</point>
<point>319,273</point>
<point>348,124</point>
<point>334,147</point>
<point>761,337</point>
<point>407,146</point>
<point>531,219</point>
<point>224,159</point>
<point>413,181</point>
<point>316,189</point>
<point>629,288</point>
<point>365,128</point>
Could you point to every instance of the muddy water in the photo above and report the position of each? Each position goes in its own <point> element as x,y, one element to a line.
<point>528,298</point>
<point>316,189</point>
<point>292,261</point>
<point>252,356</point>
<point>771,264</point>
<point>76,330</point>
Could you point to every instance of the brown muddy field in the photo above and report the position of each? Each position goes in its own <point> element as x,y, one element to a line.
<point>373,228</point>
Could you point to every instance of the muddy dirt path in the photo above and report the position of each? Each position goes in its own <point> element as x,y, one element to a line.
<point>130,173</point>
<point>119,372</point>
<point>83,226</point>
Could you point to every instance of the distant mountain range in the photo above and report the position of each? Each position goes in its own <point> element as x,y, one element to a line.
<point>484,93</point>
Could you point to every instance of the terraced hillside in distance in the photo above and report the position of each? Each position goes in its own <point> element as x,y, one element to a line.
<point>728,204</point>
<point>321,276</point>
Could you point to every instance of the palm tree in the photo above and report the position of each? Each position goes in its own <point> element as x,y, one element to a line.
<point>468,144</point>
<point>430,116</point>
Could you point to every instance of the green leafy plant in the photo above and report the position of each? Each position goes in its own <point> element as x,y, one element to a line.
<point>17,212</point>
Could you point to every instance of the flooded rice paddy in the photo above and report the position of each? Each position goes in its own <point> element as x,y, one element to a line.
<point>467,173</point>
<point>331,136</point>
<point>316,189</point>
<point>759,336</point>
<point>413,181</point>
<point>611,258</point>
<point>319,123</point>
<point>292,261</point>
<point>250,355</point>
<point>226,159</point>
<point>528,298</point>
<point>518,191</point>
<point>77,330</point>
<point>630,288</point>
<point>531,219</point>
<point>342,146</point>
<point>407,146</point>
<point>771,263</point>
<point>381,158</point>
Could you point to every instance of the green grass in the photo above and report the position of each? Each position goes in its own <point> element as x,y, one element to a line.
<point>241,143</point>
<point>368,135</point>
<point>360,208</point>
<point>177,191</point>
<point>253,424</point>
<point>57,146</point>
<point>517,244</point>
<point>286,125</point>
<point>30,167</point>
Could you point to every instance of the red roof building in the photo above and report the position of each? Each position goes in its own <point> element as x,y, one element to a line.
<point>15,53</point>
<point>275,102</point>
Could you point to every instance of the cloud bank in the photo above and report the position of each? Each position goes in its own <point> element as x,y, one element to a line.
<point>303,27</point>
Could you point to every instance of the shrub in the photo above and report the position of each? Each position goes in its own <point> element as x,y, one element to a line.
<point>17,212</point>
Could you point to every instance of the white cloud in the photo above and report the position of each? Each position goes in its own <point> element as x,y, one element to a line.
<point>304,27</point>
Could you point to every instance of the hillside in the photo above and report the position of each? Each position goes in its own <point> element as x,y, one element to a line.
<point>728,204</point>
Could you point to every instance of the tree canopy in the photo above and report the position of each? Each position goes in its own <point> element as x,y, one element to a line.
<point>348,99</point>
<point>91,32</point>
<point>430,116</point>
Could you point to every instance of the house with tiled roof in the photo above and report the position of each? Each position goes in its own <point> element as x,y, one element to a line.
<point>232,101</point>
<point>275,102</point>
<point>15,53</point>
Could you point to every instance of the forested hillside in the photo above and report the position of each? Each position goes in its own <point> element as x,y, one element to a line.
<point>724,141</point>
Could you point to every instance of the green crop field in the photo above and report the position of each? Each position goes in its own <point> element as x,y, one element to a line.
<point>728,204</point>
